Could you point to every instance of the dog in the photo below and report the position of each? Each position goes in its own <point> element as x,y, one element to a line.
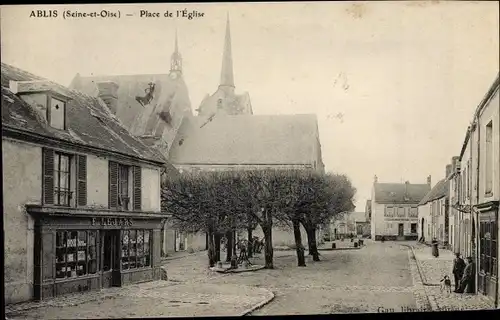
<point>446,284</point>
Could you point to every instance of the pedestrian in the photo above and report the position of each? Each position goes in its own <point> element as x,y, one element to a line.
<point>467,281</point>
<point>435,250</point>
<point>458,269</point>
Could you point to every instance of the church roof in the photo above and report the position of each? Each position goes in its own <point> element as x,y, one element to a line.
<point>438,191</point>
<point>130,86</point>
<point>246,139</point>
<point>88,119</point>
<point>400,193</point>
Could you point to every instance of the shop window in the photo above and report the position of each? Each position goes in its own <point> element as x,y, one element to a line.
<point>136,251</point>
<point>76,253</point>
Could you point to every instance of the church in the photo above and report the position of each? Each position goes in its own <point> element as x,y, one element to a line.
<point>223,135</point>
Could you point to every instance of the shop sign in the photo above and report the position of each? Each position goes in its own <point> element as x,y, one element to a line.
<point>108,221</point>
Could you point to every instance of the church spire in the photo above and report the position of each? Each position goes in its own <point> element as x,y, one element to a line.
<point>226,78</point>
<point>176,59</point>
<point>176,46</point>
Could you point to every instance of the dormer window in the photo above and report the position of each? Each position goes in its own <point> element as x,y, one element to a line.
<point>47,99</point>
<point>56,116</point>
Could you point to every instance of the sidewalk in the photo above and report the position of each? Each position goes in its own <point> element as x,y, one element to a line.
<point>432,270</point>
<point>150,299</point>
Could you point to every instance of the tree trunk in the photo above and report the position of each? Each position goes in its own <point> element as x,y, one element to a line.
<point>250,247</point>
<point>217,237</point>
<point>211,248</point>
<point>268,239</point>
<point>311,239</point>
<point>234,241</point>
<point>268,248</point>
<point>298,243</point>
<point>229,246</point>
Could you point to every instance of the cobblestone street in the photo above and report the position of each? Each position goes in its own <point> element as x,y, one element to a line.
<point>380,277</point>
<point>375,278</point>
<point>150,299</point>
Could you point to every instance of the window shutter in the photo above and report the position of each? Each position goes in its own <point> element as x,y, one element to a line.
<point>113,185</point>
<point>137,187</point>
<point>81,181</point>
<point>48,176</point>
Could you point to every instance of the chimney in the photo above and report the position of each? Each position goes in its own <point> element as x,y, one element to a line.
<point>429,181</point>
<point>455,161</point>
<point>375,179</point>
<point>108,92</point>
<point>449,170</point>
<point>406,190</point>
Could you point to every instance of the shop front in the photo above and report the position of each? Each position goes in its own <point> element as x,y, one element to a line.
<point>78,251</point>
<point>488,250</point>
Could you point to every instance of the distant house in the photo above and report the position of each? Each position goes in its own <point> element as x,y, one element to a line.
<point>394,209</point>
<point>351,223</point>
<point>433,213</point>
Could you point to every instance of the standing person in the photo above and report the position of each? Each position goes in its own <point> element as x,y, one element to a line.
<point>468,277</point>
<point>435,250</point>
<point>458,269</point>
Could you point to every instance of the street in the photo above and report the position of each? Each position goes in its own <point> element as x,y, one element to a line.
<point>379,277</point>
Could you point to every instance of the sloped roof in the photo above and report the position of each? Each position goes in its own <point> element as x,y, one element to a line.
<point>88,119</point>
<point>246,139</point>
<point>400,192</point>
<point>438,191</point>
<point>133,115</point>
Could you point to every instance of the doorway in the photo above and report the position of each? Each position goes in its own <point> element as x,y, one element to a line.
<point>422,228</point>
<point>110,245</point>
<point>401,230</point>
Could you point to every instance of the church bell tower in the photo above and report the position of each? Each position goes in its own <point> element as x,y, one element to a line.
<point>176,61</point>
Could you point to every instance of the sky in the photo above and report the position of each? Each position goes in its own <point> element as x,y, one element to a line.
<point>394,84</point>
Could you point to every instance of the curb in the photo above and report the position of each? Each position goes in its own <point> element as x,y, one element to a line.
<point>239,270</point>
<point>270,298</point>
<point>166,259</point>
<point>338,249</point>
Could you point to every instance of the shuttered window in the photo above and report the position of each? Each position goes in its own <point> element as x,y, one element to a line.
<point>123,194</point>
<point>137,188</point>
<point>81,181</point>
<point>48,176</point>
<point>113,185</point>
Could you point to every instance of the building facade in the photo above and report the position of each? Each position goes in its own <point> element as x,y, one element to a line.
<point>81,195</point>
<point>453,191</point>
<point>485,142</point>
<point>394,209</point>
<point>433,213</point>
<point>474,184</point>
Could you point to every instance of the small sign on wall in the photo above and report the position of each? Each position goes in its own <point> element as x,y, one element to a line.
<point>108,221</point>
